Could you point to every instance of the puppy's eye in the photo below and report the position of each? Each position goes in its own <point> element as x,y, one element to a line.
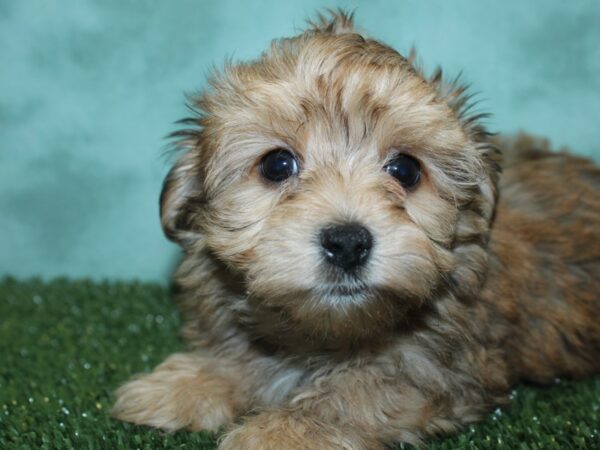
<point>278,165</point>
<point>405,169</point>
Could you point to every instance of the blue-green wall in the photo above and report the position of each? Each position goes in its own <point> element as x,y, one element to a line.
<point>89,88</point>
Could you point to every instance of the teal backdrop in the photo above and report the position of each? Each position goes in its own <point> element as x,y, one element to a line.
<point>89,89</point>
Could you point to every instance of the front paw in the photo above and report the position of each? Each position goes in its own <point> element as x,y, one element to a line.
<point>285,430</point>
<point>182,392</point>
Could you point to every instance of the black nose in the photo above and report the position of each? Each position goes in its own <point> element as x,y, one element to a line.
<point>346,246</point>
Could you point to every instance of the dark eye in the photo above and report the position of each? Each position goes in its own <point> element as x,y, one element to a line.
<point>405,169</point>
<point>278,165</point>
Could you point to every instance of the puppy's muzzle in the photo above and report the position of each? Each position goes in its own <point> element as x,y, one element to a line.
<point>347,246</point>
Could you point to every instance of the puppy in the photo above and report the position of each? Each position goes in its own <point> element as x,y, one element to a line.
<point>357,270</point>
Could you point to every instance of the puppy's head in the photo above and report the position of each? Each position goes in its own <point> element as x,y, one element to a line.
<point>345,188</point>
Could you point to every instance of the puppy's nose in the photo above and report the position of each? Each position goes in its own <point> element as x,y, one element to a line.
<point>347,246</point>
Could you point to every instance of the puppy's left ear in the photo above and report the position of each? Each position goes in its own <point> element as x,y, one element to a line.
<point>181,200</point>
<point>456,95</point>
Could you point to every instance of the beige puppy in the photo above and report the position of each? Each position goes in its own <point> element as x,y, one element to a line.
<point>358,268</point>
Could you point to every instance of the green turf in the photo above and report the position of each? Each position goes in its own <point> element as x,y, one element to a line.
<point>66,345</point>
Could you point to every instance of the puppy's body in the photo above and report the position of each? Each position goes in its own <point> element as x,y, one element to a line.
<point>473,282</point>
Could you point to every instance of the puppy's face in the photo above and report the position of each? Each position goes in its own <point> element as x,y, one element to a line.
<point>343,187</point>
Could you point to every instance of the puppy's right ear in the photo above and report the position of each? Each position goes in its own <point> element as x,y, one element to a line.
<point>181,200</point>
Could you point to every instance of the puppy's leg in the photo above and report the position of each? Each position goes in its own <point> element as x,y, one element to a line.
<point>359,409</point>
<point>185,391</point>
<point>295,430</point>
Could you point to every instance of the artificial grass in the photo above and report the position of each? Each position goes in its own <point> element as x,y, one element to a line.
<point>66,345</point>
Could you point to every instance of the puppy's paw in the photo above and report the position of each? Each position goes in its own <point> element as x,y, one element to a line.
<point>284,430</point>
<point>182,392</point>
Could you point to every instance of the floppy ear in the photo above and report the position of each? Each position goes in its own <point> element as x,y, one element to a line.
<point>181,199</point>
<point>456,95</point>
